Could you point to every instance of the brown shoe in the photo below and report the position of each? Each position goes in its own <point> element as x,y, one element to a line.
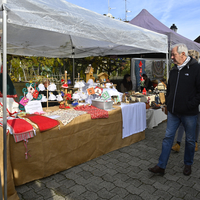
<point>157,170</point>
<point>187,170</point>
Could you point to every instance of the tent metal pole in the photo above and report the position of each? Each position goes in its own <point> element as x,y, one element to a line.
<point>73,72</point>
<point>169,56</point>
<point>5,99</point>
<point>167,67</point>
<point>73,81</point>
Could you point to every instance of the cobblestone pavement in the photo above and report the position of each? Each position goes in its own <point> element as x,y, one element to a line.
<point>122,174</point>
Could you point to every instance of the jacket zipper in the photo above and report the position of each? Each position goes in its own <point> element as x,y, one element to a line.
<point>175,91</point>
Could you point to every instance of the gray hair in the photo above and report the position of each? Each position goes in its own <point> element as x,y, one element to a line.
<point>181,48</point>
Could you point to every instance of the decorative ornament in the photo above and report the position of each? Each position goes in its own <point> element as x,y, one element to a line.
<point>105,95</point>
<point>90,91</point>
<point>144,91</point>
<point>65,85</point>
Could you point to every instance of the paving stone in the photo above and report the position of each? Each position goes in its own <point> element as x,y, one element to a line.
<point>46,193</point>
<point>82,181</point>
<point>104,194</point>
<point>185,183</point>
<point>189,190</point>
<point>176,193</point>
<point>120,192</point>
<point>108,185</point>
<point>62,191</point>
<point>78,189</point>
<point>72,175</point>
<point>67,183</point>
<point>56,197</point>
<point>175,198</point>
<point>110,171</point>
<point>124,165</point>
<point>74,170</point>
<point>85,174</point>
<point>94,187</point>
<point>147,188</point>
<point>47,179</point>
<point>98,173</point>
<point>90,195</point>
<point>164,194</point>
<point>87,167</point>
<point>134,190</point>
<point>190,197</point>
<point>173,184</point>
<point>23,188</point>
<point>52,184</point>
<point>161,186</point>
<point>134,182</point>
<point>122,176</point>
<point>132,197</point>
<point>121,183</point>
<point>36,185</point>
<point>101,167</point>
<point>116,198</point>
<point>108,177</point>
<point>196,187</point>
<point>75,196</point>
<point>59,177</point>
<point>31,195</point>
<point>132,171</point>
<point>146,195</point>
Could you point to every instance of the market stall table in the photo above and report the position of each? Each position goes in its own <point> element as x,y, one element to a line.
<point>56,150</point>
<point>155,117</point>
<point>143,98</point>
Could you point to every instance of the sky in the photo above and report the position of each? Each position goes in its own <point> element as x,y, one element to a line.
<point>185,14</point>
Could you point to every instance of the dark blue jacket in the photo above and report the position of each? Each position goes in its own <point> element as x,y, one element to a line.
<point>183,89</point>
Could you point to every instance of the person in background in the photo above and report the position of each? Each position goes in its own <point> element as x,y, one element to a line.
<point>180,133</point>
<point>126,84</point>
<point>46,83</point>
<point>182,99</point>
<point>147,82</point>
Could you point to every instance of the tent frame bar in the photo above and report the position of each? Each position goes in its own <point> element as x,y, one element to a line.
<point>5,99</point>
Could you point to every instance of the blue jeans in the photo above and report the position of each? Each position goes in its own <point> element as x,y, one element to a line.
<point>181,130</point>
<point>173,122</point>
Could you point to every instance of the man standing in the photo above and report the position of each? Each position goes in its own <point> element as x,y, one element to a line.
<point>182,99</point>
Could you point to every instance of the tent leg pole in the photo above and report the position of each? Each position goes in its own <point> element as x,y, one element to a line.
<point>5,99</point>
<point>73,72</point>
<point>167,67</point>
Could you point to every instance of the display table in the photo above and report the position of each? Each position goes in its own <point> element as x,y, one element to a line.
<point>143,98</point>
<point>56,150</point>
<point>155,117</point>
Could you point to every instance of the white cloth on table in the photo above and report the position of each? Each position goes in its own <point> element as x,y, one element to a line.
<point>154,117</point>
<point>133,118</point>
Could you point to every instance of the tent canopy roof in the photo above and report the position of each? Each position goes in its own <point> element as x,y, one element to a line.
<point>145,20</point>
<point>57,28</point>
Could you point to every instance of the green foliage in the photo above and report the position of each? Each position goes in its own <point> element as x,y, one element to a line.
<point>30,68</point>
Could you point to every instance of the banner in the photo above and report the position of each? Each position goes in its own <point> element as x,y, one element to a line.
<point>139,70</point>
<point>157,69</point>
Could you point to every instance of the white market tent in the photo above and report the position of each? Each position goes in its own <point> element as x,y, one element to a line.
<point>56,28</point>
